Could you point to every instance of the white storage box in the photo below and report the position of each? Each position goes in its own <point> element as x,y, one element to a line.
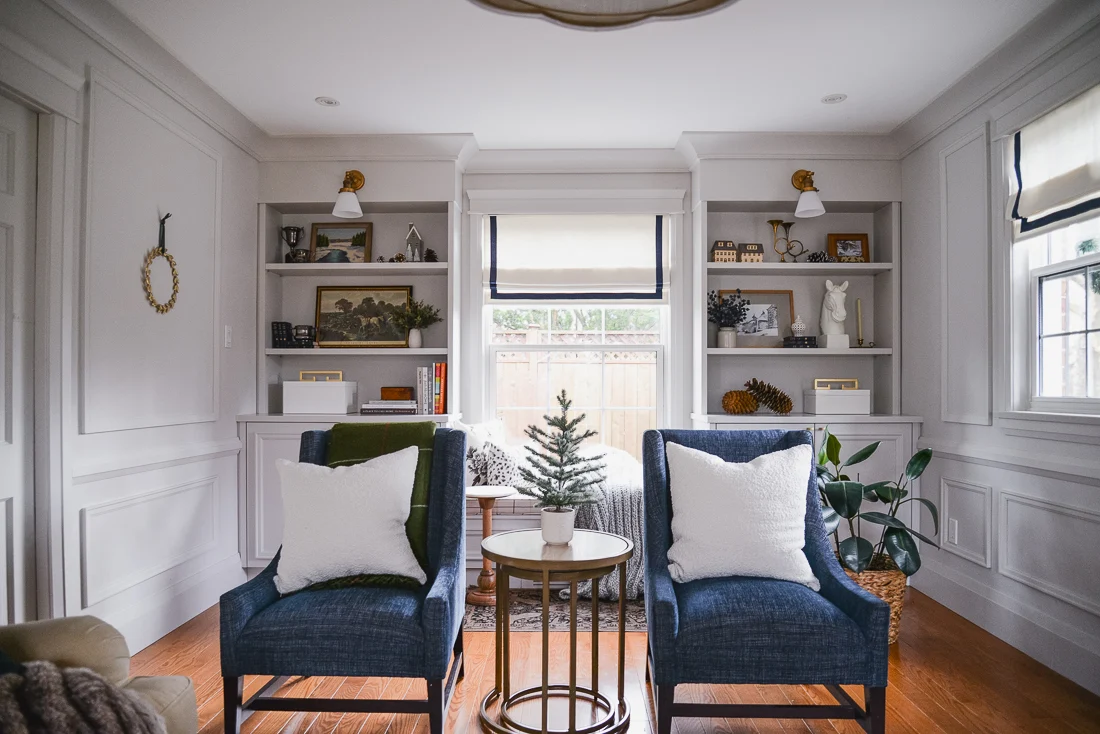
<point>837,402</point>
<point>335,398</point>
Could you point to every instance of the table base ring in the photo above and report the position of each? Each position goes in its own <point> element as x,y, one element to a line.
<point>614,721</point>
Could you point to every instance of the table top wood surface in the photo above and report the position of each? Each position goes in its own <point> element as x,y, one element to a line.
<point>525,549</point>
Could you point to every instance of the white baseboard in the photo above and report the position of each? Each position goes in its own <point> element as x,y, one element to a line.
<point>1064,656</point>
<point>179,604</point>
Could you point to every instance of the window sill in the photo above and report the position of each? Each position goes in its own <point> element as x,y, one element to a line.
<point>1075,427</point>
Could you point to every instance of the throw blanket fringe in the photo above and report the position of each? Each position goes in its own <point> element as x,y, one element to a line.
<point>46,699</point>
<point>621,513</point>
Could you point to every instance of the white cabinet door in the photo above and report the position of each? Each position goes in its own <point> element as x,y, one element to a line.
<point>266,444</point>
<point>887,463</point>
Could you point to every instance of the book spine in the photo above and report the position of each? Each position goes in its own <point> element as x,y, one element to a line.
<point>435,390</point>
<point>443,388</point>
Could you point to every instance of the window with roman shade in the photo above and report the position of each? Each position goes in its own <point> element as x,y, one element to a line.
<point>1057,165</point>
<point>590,257</point>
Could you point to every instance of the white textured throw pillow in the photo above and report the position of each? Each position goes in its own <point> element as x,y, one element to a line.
<point>346,521</point>
<point>734,519</point>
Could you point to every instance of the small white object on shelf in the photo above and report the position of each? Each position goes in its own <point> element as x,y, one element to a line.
<point>837,402</point>
<point>833,315</point>
<point>833,341</point>
<point>323,398</point>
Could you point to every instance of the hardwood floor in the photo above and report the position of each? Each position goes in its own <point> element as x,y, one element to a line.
<point>946,675</point>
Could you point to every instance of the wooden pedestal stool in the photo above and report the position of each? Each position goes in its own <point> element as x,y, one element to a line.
<point>485,593</point>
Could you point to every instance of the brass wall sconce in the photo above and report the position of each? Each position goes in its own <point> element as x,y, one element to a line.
<point>785,245</point>
<point>809,203</point>
<point>347,202</point>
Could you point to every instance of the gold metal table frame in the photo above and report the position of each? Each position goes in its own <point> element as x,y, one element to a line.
<point>591,556</point>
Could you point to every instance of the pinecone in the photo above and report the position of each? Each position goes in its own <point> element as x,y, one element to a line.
<point>820,257</point>
<point>739,402</point>
<point>770,396</point>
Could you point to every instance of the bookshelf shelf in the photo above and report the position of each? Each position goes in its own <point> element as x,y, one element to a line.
<point>825,270</point>
<point>355,269</point>
<point>780,351</point>
<point>360,352</point>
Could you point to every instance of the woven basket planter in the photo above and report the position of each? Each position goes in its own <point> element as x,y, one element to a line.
<point>888,586</point>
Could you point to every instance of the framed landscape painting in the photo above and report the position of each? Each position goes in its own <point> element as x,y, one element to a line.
<point>361,316</point>
<point>341,242</point>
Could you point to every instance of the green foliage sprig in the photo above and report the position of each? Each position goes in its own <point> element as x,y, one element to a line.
<point>558,475</point>
<point>727,312</point>
<point>842,498</point>
<point>417,315</point>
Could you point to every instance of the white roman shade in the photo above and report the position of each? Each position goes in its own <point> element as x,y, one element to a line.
<point>1058,164</point>
<point>577,256</point>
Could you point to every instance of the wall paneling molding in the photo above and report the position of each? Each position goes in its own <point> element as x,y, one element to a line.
<point>983,495</point>
<point>163,457</point>
<point>1077,582</point>
<point>1063,468</point>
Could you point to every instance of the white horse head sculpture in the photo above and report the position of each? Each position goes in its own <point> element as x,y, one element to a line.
<point>832,308</point>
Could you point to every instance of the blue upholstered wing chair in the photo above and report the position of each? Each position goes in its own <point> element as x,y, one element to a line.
<point>360,632</point>
<point>755,630</point>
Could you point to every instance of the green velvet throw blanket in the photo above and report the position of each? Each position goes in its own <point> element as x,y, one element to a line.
<point>354,443</point>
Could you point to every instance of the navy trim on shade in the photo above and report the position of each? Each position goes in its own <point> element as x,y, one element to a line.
<point>1029,225</point>
<point>656,295</point>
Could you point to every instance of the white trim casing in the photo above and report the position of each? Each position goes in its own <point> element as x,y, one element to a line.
<point>986,492</point>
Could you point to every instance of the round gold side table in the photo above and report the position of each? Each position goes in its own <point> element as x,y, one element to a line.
<point>590,556</point>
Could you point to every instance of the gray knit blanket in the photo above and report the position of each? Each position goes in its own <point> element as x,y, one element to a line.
<point>620,512</point>
<point>46,699</point>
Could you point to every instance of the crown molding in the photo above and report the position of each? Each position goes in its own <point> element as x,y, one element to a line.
<point>1054,30</point>
<point>108,27</point>
<point>576,160</point>
<point>694,146</point>
<point>450,147</point>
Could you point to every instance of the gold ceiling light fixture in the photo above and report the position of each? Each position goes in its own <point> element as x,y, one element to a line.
<point>347,202</point>
<point>809,203</point>
<point>604,14</point>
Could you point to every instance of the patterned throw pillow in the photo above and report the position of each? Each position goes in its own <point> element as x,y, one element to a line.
<point>502,466</point>
<point>476,467</point>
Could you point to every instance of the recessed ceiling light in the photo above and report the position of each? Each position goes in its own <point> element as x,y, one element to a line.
<point>833,98</point>
<point>327,102</point>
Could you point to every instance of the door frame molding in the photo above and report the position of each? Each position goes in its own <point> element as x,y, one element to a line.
<point>56,93</point>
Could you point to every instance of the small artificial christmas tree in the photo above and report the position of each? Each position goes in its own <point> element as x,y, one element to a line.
<point>558,476</point>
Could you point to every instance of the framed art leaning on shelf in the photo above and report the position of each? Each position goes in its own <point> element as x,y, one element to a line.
<point>361,316</point>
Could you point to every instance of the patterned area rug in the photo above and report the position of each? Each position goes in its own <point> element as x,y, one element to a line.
<point>526,610</point>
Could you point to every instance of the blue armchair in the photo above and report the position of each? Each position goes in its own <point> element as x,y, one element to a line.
<point>361,632</point>
<point>754,630</point>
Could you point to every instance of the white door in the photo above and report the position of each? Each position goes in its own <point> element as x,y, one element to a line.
<point>18,176</point>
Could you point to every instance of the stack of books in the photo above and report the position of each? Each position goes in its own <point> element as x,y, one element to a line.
<point>800,342</point>
<point>389,407</point>
<point>431,389</point>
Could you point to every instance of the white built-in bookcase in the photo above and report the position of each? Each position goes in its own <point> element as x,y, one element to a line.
<point>876,283</point>
<point>288,291</point>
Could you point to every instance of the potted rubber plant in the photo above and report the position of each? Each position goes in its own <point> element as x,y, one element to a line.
<point>418,315</point>
<point>557,475</point>
<point>880,566</point>
<point>728,312</point>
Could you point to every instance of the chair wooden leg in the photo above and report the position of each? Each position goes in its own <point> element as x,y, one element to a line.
<point>663,696</point>
<point>459,656</point>
<point>436,710</point>
<point>874,702</point>
<point>233,699</point>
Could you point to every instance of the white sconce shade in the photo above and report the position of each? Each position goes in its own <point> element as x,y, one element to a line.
<point>347,201</point>
<point>809,205</point>
<point>347,206</point>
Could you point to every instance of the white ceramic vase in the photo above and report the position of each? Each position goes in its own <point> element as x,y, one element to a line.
<point>727,337</point>
<point>557,525</point>
<point>416,339</point>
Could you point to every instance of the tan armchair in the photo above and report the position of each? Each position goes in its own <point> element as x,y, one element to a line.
<point>87,642</point>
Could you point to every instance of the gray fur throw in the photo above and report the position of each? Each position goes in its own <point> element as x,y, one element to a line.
<point>621,513</point>
<point>46,699</point>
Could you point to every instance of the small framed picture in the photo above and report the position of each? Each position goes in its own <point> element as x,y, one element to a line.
<point>850,248</point>
<point>836,383</point>
<point>769,317</point>
<point>361,316</point>
<point>321,375</point>
<point>341,242</point>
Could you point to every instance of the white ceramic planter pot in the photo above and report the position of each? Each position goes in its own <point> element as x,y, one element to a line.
<point>557,527</point>
<point>727,337</point>
<point>416,339</point>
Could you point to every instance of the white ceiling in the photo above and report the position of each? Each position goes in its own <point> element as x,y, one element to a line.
<point>448,66</point>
